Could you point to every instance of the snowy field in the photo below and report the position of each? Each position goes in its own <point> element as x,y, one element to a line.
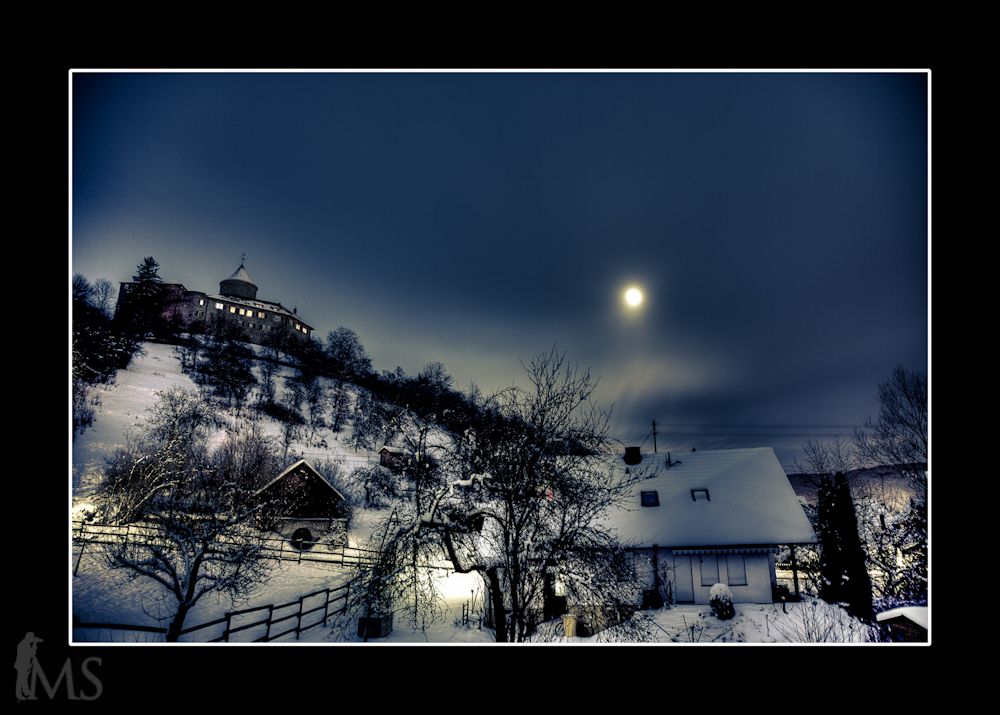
<point>97,598</point>
<point>97,595</point>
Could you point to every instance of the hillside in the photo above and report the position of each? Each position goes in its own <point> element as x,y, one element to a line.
<point>124,405</point>
<point>99,596</point>
<point>862,481</point>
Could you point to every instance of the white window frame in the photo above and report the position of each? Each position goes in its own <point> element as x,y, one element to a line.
<point>736,567</point>
<point>714,566</point>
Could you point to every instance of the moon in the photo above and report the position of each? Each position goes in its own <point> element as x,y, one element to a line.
<point>633,296</point>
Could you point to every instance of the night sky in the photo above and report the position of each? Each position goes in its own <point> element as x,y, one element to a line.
<point>776,223</point>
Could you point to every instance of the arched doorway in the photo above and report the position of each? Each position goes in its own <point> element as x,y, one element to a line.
<point>302,539</point>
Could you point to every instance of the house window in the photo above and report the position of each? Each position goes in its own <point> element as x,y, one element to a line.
<point>709,569</point>
<point>650,499</point>
<point>218,306</point>
<point>700,495</point>
<point>201,302</point>
<point>737,570</point>
<point>232,309</point>
<point>260,313</point>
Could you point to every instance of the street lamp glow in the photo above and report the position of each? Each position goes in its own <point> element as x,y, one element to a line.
<point>633,296</point>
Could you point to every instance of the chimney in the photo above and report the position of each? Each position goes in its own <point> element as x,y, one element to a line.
<point>632,455</point>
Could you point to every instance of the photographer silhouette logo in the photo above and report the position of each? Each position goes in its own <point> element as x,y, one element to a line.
<point>30,673</point>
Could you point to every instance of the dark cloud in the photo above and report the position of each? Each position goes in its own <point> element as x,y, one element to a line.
<point>776,222</point>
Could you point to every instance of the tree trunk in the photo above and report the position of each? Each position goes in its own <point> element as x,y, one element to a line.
<point>499,612</point>
<point>174,632</point>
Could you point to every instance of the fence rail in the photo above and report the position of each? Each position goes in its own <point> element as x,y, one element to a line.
<point>274,548</point>
<point>331,596</point>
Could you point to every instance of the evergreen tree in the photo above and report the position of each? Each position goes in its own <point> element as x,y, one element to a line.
<point>843,562</point>
<point>145,296</point>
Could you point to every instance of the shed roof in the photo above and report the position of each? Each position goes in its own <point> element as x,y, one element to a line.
<point>749,502</point>
<point>293,468</point>
<point>917,614</point>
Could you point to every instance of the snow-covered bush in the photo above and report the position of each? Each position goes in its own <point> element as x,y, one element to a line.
<point>721,600</point>
<point>380,485</point>
<point>819,622</point>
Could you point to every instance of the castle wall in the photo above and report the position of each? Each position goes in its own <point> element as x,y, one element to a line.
<point>258,321</point>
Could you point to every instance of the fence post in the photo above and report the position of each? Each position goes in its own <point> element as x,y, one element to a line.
<point>270,616</point>
<point>83,545</point>
<point>298,628</point>
<point>326,607</point>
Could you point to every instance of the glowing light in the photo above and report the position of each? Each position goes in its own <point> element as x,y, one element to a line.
<point>633,297</point>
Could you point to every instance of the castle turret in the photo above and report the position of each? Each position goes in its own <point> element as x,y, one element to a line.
<point>239,285</point>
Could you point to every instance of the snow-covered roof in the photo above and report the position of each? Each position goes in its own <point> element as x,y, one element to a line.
<point>917,614</point>
<point>257,303</point>
<point>240,275</point>
<point>747,500</point>
<point>292,468</point>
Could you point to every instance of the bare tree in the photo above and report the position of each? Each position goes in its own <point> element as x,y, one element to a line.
<point>103,296</point>
<point>897,444</point>
<point>517,498</point>
<point>347,361</point>
<point>825,459</point>
<point>898,438</point>
<point>194,530</point>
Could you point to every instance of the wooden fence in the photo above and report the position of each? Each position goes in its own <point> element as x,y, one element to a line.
<point>266,618</point>
<point>274,547</point>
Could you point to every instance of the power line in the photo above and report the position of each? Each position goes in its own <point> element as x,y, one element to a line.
<point>752,434</point>
<point>681,424</point>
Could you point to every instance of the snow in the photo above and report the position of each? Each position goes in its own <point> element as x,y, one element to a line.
<point>98,595</point>
<point>917,614</point>
<point>750,502</point>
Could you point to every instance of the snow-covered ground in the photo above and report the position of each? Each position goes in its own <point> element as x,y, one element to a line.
<point>98,596</point>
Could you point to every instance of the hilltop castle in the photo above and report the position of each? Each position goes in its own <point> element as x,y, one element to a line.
<point>236,308</point>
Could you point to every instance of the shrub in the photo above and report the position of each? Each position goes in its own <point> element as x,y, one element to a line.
<point>721,601</point>
<point>380,485</point>
<point>820,622</point>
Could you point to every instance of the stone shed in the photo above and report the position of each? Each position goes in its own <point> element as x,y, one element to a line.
<point>303,507</point>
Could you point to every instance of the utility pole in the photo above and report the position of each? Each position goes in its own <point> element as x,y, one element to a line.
<point>654,436</point>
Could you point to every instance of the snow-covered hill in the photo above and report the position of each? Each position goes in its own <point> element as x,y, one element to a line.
<point>124,405</point>
<point>99,596</point>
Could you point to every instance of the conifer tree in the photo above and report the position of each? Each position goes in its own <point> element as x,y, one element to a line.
<point>843,562</point>
<point>145,296</point>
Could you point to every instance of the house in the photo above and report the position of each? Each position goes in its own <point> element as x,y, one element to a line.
<point>908,624</point>
<point>303,507</point>
<point>713,517</point>
<point>393,460</point>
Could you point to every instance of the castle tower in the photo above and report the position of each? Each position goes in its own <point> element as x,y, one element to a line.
<point>239,285</point>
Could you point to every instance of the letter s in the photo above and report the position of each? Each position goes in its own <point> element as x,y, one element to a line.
<point>93,679</point>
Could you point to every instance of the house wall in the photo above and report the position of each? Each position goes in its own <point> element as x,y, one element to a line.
<point>179,306</point>
<point>332,532</point>
<point>257,324</point>
<point>684,574</point>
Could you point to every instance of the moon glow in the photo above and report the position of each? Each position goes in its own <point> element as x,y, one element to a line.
<point>633,297</point>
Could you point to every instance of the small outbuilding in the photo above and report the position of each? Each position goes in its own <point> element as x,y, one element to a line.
<point>907,624</point>
<point>303,507</point>
<point>393,460</point>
